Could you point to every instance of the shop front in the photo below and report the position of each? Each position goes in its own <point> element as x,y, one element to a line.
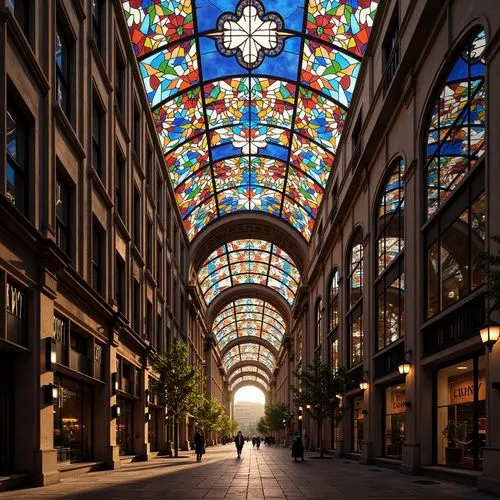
<point>125,426</point>
<point>461,414</point>
<point>153,427</point>
<point>7,420</point>
<point>394,421</point>
<point>357,423</point>
<point>73,416</point>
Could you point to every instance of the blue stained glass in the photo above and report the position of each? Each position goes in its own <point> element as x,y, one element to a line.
<point>221,90</point>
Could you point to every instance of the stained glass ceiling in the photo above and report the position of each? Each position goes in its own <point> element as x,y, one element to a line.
<point>248,261</point>
<point>249,370</point>
<point>249,378</point>
<point>249,317</point>
<point>248,352</point>
<point>249,98</point>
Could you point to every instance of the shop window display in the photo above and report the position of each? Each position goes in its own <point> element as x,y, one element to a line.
<point>358,424</point>
<point>461,414</point>
<point>395,413</point>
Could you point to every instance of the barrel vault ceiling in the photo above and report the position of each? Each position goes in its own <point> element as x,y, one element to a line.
<point>249,100</point>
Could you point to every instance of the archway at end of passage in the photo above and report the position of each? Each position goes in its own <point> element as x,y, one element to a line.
<point>249,394</point>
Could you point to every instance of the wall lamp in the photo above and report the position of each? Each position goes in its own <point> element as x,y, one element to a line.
<point>115,411</point>
<point>50,354</point>
<point>114,382</point>
<point>147,396</point>
<point>490,333</point>
<point>404,366</point>
<point>50,394</point>
<point>147,417</point>
<point>363,385</point>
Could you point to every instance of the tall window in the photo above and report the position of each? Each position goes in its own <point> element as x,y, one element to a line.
<point>97,257</point>
<point>21,11</point>
<point>354,299</point>
<point>149,243</point>
<point>120,184</point>
<point>17,160</point>
<point>454,191</point>
<point>390,286</point>
<point>333,300</point>
<point>137,219</point>
<point>97,139</point>
<point>136,138</point>
<point>136,307</point>
<point>391,52</point>
<point>455,138</point>
<point>97,24</point>
<point>63,215</point>
<point>119,80</point>
<point>62,71</point>
<point>318,321</point>
<point>120,283</point>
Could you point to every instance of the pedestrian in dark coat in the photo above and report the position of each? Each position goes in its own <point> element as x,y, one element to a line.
<point>199,444</point>
<point>239,441</point>
<point>297,448</point>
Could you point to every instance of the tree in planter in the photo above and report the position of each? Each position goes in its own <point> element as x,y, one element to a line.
<point>317,391</point>
<point>275,414</point>
<point>227,426</point>
<point>177,386</point>
<point>454,433</point>
<point>262,426</point>
<point>208,413</point>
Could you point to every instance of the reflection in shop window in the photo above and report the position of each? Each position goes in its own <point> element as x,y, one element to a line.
<point>395,413</point>
<point>461,414</point>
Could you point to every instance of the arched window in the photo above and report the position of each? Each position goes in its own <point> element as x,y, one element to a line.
<point>318,320</point>
<point>354,299</point>
<point>333,301</point>
<point>389,288</point>
<point>455,138</point>
<point>454,236</point>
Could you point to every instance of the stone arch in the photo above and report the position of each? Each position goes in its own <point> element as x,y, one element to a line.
<point>250,374</point>
<point>253,383</point>
<point>249,362</point>
<point>249,291</point>
<point>246,340</point>
<point>253,225</point>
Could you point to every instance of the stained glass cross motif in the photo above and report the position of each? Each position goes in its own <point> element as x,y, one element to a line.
<point>250,34</point>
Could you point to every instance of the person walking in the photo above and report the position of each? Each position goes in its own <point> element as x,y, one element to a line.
<point>239,441</point>
<point>297,448</point>
<point>257,442</point>
<point>199,444</point>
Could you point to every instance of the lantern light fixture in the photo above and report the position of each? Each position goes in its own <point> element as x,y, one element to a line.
<point>490,333</point>
<point>50,354</point>
<point>363,385</point>
<point>404,366</point>
<point>50,394</point>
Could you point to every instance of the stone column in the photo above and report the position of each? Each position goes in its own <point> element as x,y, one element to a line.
<point>141,444</point>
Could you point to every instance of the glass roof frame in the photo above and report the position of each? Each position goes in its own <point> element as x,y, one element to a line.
<point>249,261</point>
<point>326,40</point>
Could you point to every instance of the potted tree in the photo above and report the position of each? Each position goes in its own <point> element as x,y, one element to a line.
<point>454,453</point>
<point>395,437</point>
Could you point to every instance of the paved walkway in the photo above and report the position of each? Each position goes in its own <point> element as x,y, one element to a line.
<point>263,474</point>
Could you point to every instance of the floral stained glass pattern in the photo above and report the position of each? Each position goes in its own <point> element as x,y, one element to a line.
<point>249,261</point>
<point>455,140</point>
<point>227,82</point>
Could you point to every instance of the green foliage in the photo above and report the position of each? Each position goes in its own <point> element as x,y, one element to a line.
<point>209,413</point>
<point>318,388</point>
<point>490,267</point>
<point>177,387</point>
<point>262,427</point>
<point>228,426</point>
<point>274,414</point>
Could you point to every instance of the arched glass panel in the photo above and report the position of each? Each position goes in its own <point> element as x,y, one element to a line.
<point>356,270</point>
<point>455,138</point>
<point>249,317</point>
<point>249,352</point>
<point>390,218</point>
<point>241,130</point>
<point>249,261</point>
<point>333,313</point>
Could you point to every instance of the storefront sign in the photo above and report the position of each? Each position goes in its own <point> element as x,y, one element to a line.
<point>463,391</point>
<point>399,406</point>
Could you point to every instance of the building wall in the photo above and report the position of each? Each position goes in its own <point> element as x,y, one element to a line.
<point>393,126</point>
<point>111,313</point>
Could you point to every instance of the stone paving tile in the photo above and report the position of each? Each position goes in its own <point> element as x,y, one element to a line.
<point>267,474</point>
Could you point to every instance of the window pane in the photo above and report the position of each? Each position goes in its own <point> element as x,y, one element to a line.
<point>454,261</point>
<point>478,234</point>
<point>432,280</point>
<point>356,337</point>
